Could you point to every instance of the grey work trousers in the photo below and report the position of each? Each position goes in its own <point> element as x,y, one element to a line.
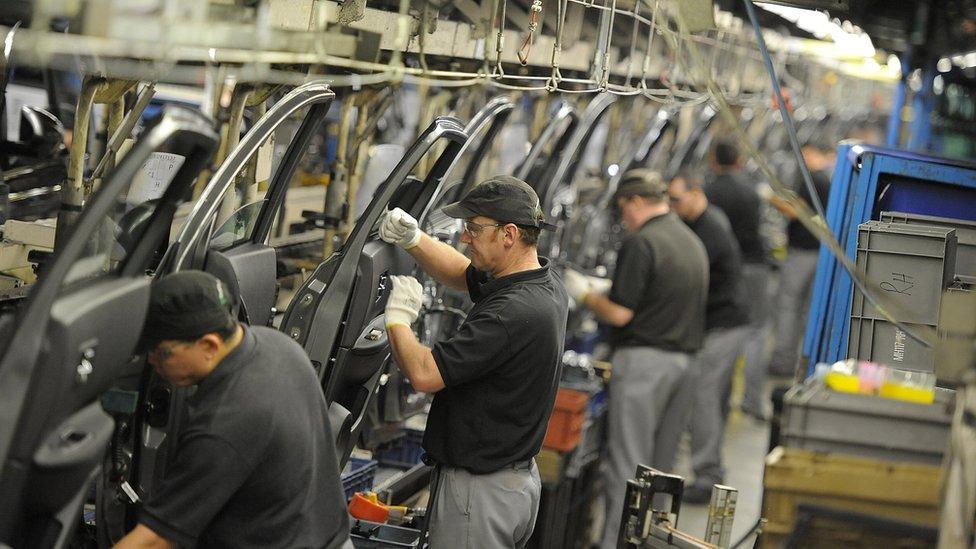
<point>795,288</point>
<point>491,510</point>
<point>650,397</point>
<point>757,278</point>
<point>713,370</point>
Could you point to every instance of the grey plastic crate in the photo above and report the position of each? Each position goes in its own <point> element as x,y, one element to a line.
<point>820,420</point>
<point>954,354</point>
<point>882,342</point>
<point>910,264</point>
<point>965,235</point>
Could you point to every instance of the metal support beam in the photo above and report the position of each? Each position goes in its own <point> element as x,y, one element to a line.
<point>923,104</point>
<point>898,103</point>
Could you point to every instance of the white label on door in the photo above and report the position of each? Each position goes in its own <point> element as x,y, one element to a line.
<point>151,181</point>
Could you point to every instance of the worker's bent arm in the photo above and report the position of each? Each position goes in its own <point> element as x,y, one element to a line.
<point>783,206</point>
<point>415,360</point>
<point>606,310</point>
<point>441,261</point>
<point>142,537</point>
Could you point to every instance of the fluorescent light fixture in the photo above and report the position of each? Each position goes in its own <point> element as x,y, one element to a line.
<point>848,37</point>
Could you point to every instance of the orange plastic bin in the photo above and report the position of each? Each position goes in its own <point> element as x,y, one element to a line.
<point>566,422</point>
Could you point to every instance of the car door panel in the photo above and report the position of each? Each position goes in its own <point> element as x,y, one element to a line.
<point>559,129</point>
<point>190,246</point>
<point>337,313</point>
<point>249,272</point>
<point>67,457</point>
<point>587,238</point>
<point>397,400</point>
<point>72,340</point>
<point>142,443</point>
<point>566,164</point>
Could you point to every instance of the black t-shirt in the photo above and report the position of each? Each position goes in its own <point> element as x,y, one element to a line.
<point>501,372</point>
<point>725,307</point>
<point>742,205</point>
<point>662,275</point>
<point>256,460</point>
<point>799,236</point>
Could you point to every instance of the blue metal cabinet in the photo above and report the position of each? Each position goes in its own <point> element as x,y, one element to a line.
<point>868,180</point>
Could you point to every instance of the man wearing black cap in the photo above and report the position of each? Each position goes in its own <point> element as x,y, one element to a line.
<point>255,462</point>
<point>656,307</point>
<point>495,381</point>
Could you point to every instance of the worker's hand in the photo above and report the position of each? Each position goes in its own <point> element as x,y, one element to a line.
<point>400,228</point>
<point>406,298</point>
<point>577,285</point>
<point>599,285</point>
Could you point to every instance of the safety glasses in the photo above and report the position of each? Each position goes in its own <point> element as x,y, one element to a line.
<point>474,229</point>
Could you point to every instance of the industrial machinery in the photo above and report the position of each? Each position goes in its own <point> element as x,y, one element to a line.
<point>651,508</point>
<point>259,179</point>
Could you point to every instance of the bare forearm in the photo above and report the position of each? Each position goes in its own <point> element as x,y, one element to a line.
<point>606,310</point>
<point>441,261</point>
<point>415,360</point>
<point>142,537</point>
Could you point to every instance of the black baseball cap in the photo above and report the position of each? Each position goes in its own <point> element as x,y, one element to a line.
<point>505,199</point>
<point>641,182</point>
<point>184,306</point>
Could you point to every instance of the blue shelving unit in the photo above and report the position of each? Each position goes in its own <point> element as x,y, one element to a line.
<point>868,180</point>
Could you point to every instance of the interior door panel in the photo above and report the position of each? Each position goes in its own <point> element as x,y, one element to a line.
<point>249,272</point>
<point>337,313</point>
<point>397,400</point>
<point>72,340</point>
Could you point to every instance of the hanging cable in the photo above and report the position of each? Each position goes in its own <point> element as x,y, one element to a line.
<point>784,112</point>
<point>526,48</point>
<point>882,303</point>
<point>500,37</point>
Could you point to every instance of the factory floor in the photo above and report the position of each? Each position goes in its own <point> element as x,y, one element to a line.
<point>743,450</point>
<point>743,453</point>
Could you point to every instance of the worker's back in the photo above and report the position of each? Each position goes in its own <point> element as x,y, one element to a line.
<point>669,312</point>
<point>740,202</point>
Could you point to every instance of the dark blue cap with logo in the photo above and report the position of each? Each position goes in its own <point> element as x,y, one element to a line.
<point>184,306</point>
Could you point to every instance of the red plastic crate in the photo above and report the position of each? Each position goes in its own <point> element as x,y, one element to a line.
<point>566,422</point>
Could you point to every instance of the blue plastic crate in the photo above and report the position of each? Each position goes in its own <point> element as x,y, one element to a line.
<point>597,405</point>
<point>358,475</point>
<point>404,452</point>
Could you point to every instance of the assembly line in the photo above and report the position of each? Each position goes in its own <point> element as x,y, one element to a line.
<point>487,274</point>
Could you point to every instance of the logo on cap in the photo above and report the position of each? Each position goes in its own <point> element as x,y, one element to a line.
<point>220,293</point>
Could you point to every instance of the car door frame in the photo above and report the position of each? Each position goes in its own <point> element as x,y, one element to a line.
<point>20,363</point>
<point>192,242</point>
<point>190,250</point>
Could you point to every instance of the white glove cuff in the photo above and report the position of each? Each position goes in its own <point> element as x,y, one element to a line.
<point>394,317</point>
<point>413,241</point>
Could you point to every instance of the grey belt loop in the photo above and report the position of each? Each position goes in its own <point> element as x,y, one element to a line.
<point>435,484</point>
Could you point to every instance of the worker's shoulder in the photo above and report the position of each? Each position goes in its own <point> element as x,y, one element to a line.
<point>714,227</point>
<point>273,341</point>
<point>678,244</point>
<point>528,298</point>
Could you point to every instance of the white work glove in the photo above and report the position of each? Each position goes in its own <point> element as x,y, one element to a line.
<point>406,298</point>
<point>400,228</point>
<point>599,285</point>
<point>577,285</point>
